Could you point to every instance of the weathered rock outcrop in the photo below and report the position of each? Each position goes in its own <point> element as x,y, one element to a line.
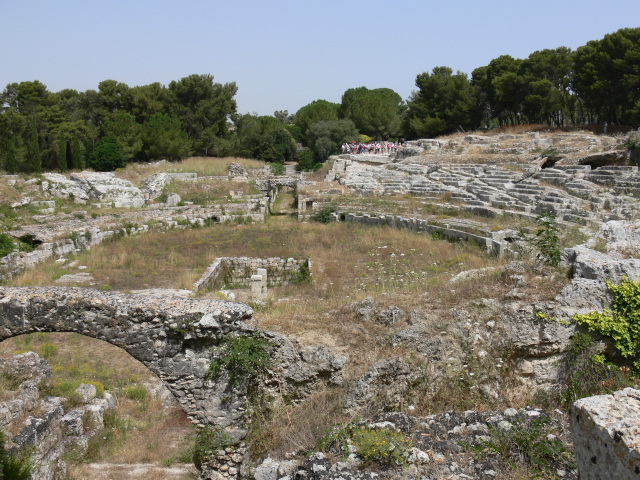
<point>606,434</point>
<point>540,333</point>
<point>101,186</point>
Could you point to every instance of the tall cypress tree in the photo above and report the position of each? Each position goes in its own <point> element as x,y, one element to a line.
<point>88,148</point>
<point>76,154</point>
<point>12,164</point>
<point>62,152</point>
<point>34,150</point>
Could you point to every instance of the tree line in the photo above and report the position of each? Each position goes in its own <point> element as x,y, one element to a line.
<point>115,124</point>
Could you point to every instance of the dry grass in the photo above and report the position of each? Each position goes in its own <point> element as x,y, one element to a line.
<point>203,166</point>
<point>9,193</point>
<point>349,262</point>
<point>287,428</point>
<point>205,192</point>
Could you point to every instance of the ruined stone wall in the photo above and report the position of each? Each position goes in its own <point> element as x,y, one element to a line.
<point>237,271</point>
<point>174,338</point>
<point>491,245</point>
<point>44,429</point>
<point>251,210</point>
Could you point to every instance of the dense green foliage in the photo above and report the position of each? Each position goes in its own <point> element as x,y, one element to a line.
<point>106,156</point>
<point>163,138</point>
<point>263,137</point>
<point>374,112</point>
<point>316,111</point>
<point>597,83</point>
<point>62,152</point>
<point>243,357</point>
<point>7,245</point>
<point>621,324</point>
<point>76,153</point>
<point>325,138</point>
<point>443,103</point>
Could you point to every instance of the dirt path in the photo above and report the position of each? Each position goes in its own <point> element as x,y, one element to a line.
<point>129,471</point>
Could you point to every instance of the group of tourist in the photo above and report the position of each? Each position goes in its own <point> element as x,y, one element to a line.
<point>380,148</point>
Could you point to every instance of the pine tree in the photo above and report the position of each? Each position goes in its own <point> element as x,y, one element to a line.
<point>34,150</point>
<point>62,152</point>
<point>76,154</point>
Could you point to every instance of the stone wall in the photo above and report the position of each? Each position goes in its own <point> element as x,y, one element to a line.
<point>43,427</point>
<point>237,271</point>
<point>250,210</point>
<point>491,245</point>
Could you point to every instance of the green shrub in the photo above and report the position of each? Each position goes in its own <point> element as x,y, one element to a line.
<point>305,160</point>
<point>324,215</point>
<point>547,240</point>
<point>7,245</point>
<point>243,357</point>
<point>136,392</point>
<point>380,446</point>
<point>107,156</point>
<point>587,373</point>
<point>277,169</point>
<point>374,446</point>
<point>302,276</point>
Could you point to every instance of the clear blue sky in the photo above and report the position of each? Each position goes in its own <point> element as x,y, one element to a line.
<point>283,54</point>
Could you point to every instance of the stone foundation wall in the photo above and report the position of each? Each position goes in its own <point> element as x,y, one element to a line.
<point>238,271</point>
<point>491,245</point>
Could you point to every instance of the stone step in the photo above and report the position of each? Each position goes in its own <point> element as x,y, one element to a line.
<point>625,190</point>
<point>573,168</point>
<point>618,169</point>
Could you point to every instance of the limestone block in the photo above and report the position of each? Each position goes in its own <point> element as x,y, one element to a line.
<point>87,392</point>
<point>257,290</point>
<point>72,423</point>
<point>173,199</point>
<point>606,434</point>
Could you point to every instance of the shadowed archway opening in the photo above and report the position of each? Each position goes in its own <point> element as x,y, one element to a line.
<point>147,427</point>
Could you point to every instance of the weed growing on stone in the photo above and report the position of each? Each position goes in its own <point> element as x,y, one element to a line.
<point>622,323</point>
<point>13,467</point>
<point>302,276</point>
<point>547,240</point>
<point>530,444</point>
<point>374,446</point>
<point>587,372</point>
<point>201,444</point>
<point>243,357</point>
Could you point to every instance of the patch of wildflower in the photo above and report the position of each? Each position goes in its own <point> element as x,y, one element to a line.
<point>381,446</point>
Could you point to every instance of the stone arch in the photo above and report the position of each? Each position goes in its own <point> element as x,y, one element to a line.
<point>171,337</point>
